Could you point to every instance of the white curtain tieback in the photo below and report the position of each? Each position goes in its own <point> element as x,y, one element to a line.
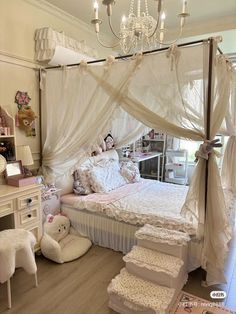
<point>83,64</point>
<point>207,148</point>
<point>174,54</point>
<point>109,62</point>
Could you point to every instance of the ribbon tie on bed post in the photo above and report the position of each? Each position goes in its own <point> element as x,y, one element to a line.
<point>207,148</point>
<point>173,53</point>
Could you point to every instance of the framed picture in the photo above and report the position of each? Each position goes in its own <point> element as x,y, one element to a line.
<point>14,168</point>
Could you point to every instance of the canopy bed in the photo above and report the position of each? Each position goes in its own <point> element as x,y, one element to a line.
<point>185,91</point>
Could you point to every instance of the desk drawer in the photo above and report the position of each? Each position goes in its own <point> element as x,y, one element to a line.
<point>6,208</point>
<point>27,216</point>
<point>28,200</point>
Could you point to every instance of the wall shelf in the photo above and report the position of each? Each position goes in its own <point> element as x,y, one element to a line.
<point>176,167</point>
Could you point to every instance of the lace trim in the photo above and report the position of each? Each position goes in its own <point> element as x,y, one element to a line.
<point>140,293</point>
<point>154,261</point>
<point>162,235</point>
<point>179,223</point>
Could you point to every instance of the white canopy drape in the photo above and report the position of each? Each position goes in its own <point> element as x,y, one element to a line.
<point>229,161</point>
<point>166,91</point>
<point>125,129</point>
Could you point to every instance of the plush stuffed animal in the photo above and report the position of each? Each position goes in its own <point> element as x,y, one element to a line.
<point>26,119</point>
<point>58,243</point>
<point>109,142</point>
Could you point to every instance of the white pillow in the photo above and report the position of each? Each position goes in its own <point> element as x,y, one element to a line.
<point>106,176</point>
<point>130,171</point>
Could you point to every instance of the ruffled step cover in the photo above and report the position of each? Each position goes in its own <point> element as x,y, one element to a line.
<point>129,294</point>
<point>162,269</point>
<point>163,240</point>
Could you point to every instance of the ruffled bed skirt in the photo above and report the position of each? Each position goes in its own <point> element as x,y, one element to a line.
<point>116,235</point>
<point>101,230</point>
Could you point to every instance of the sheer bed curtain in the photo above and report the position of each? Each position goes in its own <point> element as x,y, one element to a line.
<point>229,162</point>
<point>163,91</point>
<point>125,129</point>
<point>76,112</point>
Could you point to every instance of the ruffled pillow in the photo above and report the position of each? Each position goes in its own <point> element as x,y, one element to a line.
<point>129,171</point>
<point>106,176</point>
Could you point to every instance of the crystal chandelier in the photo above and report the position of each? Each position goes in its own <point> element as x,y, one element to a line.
<point>139,30</point>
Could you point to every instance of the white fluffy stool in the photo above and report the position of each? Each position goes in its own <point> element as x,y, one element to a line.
<point>16,250</point>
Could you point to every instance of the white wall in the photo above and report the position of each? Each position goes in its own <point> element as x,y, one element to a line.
<point>18,21</point>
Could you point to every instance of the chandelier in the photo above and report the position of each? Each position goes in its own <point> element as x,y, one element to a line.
<point>139,30</point>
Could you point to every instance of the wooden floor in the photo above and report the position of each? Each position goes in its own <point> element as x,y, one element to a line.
<point>78,287</point>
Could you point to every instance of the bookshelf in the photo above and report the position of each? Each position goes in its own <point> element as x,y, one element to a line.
<point>7,135</point>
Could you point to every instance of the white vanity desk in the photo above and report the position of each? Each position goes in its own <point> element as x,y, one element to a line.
<point>20,207</point>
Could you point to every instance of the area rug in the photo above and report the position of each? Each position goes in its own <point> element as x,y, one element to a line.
<point>188,303</point>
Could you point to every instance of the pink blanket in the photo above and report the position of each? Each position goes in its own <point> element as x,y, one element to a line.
<point>107,198</point>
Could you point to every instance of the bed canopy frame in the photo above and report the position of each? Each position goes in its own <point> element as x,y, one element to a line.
<point>214,277</point>
<point>158,50</point>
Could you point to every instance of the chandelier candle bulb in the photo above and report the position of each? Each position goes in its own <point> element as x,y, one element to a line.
<point>163,16</point>
<point>123,22</point>
<point>95,6</point>
<point>184,6</point>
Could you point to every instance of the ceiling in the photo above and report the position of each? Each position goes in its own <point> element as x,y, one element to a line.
<point>217,13</point>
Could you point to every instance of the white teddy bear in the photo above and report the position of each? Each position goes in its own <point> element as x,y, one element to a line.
<point>58,244</point>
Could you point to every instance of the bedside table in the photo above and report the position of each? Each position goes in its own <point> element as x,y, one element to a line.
<point>50,202</point>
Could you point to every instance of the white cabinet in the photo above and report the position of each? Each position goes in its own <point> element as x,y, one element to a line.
<point>20,207</point>
<point>176,167</point>
<point>7,135</point>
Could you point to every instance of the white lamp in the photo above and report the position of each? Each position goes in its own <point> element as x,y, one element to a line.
<point>24,154</point>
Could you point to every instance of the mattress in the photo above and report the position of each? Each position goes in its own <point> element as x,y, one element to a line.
<point>147,201</point>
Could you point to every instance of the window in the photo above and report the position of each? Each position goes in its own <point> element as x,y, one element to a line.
<point>192,147</point>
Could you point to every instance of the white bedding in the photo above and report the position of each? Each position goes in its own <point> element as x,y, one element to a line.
<point>147,201</point>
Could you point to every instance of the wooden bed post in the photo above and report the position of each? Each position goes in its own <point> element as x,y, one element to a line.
<point>208,110</point>
<point>40,121</point>
<point>208,120</point>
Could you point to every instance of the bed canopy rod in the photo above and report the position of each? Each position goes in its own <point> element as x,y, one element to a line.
<point>131,55</point>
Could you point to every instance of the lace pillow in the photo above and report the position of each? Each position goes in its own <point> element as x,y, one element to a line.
<point>129,171</point>
<point>81,181</point>
<point>106,176</point>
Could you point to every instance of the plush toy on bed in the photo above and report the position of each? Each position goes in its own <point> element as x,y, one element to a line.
<point>109,142</point>
<point>58,243</point>
<point>105,144</point>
